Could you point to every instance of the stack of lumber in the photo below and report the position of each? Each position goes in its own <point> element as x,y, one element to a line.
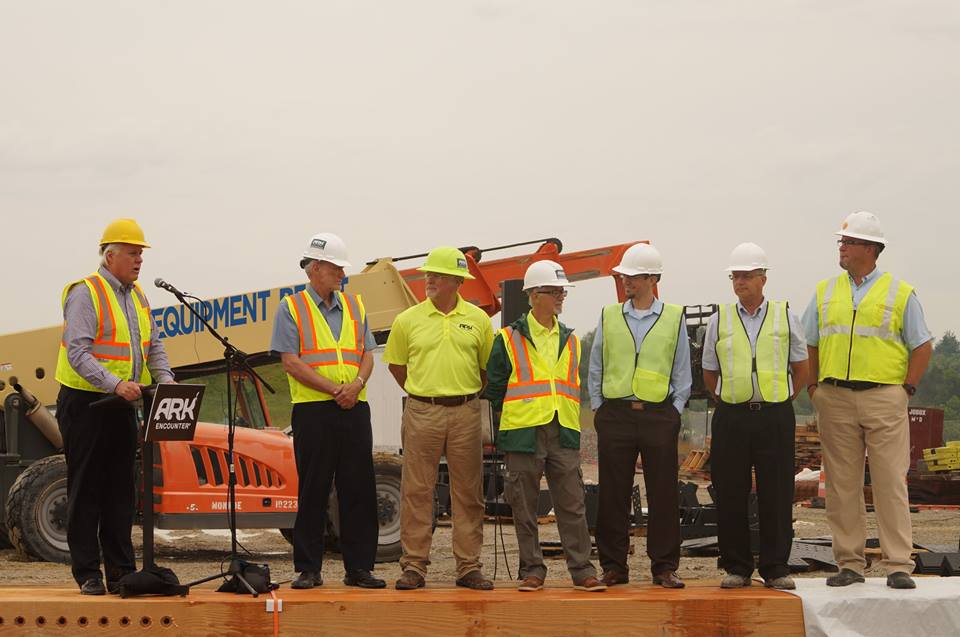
<point>940,459</point>
<point>697,463</point>
<point>807,447</point>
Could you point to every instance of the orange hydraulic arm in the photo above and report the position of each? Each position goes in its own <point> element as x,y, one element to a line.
<point>484,290</point>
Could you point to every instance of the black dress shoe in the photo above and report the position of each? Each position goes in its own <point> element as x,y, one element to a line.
<point>307,579</point>
<point>93,586</point>
<point>363,579</point>
<point>900,580</point>
<point>845,577</point>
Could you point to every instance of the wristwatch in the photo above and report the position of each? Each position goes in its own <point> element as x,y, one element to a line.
<point>910,389</point>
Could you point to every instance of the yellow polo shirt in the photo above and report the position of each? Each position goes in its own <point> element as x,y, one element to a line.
<point>444,353</point>
<point>546,340</point>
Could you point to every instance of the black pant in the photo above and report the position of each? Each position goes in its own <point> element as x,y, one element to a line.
<point>334,446</point>
<point>100,445</point>
<point>622,434</point>
<point>764,440</point>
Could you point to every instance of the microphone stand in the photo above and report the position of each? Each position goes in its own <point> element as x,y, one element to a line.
<point>234,359</point>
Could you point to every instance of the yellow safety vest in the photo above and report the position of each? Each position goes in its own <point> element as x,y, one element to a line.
<point>863,344</point>
<point>644,374</point>
<point>111,345</point>
<point>738,361</point>
<point>335,359</point>
<point>536,390</point>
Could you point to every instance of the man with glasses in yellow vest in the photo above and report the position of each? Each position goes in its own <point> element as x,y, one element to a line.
<point>107,347</point>
<point>754,362</point>
<point>437,351</point>
<point>639,383</point>
<point>534,382</point>
<point>869,346</point>
<point>326,349</point>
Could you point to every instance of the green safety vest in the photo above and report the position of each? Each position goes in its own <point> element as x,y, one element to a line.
<point>644,374</point>
<point>535,390</point>
<point>337,359</point>
<point>863,344</point>
<point>738,361</point>
<point>111,344</point>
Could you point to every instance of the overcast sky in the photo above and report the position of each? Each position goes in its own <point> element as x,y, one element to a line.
<point>233,131</point>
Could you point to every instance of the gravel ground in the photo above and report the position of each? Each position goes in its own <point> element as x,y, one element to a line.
<point>196,554</point>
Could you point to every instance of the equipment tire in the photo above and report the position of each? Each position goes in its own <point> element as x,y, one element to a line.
<point>389,469</point>
<point>36,511</point>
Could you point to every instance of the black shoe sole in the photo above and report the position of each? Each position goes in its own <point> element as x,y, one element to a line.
<point>365,585</point>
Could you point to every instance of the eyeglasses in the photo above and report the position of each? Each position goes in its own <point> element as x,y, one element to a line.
<point>557,294</point>
<point>853,242</point>
<point>746,275</point>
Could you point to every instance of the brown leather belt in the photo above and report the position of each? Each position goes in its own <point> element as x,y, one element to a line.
<point>446,401</point>
<point>641,405</point>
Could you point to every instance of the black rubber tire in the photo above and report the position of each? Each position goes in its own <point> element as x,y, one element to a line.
<point>388,468</point>
<point>36,511</point>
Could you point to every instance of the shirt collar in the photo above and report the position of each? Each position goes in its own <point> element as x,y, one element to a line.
<point>540,330</point>
<point>112,280</point>
<point>656,308</point>
<point>866,279</point>
<point>760,309</point>
<point>457,309</point>
<point>320,302</point>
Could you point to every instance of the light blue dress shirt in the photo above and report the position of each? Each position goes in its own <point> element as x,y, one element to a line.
<point>286,337</point>
<point>914,333</point>
<point>752,323</point>
<point>640,322</point>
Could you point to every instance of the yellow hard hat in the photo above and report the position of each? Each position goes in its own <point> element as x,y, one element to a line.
<point>444,260</point>
<point>123,231</point>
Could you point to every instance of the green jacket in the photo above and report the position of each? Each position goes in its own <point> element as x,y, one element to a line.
<point>498,375</point>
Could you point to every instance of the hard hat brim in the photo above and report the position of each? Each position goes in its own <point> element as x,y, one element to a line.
<point>633,271</point>
<point>860,235</point>
<point>340,263</point>
<point>551,284</point>
<point>131,242</point>
<point>447,271</point>
<point>747,268</point>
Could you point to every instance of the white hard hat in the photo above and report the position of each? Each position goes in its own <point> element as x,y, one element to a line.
<point>746,257</point>
<point>862,225</point>
<point>327,246</point>
<point>640,258</point>
<point>545,273</point>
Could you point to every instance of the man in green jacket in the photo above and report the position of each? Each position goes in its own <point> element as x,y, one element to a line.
<point>534,382</point>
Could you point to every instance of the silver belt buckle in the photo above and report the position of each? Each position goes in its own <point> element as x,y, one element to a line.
<point>755,406</point>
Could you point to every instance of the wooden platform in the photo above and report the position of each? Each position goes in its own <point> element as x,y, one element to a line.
<point>637,609</point>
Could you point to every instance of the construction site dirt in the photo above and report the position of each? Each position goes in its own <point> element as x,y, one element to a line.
<point>196,554</point>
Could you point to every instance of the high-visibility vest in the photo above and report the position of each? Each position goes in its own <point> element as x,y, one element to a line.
<point>644,374</point>
<point>738,361</point>
<point>337,359</point>
<point>111,344</point>
<point>863,344</point>
<point>537,390</point>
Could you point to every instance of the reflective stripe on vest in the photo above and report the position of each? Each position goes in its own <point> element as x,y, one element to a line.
<point>535,391</point>
<point>738,361</point>
<point>863,344</point>
<point>644,374</point>
<point>111,343</point>
<point>337,360</point>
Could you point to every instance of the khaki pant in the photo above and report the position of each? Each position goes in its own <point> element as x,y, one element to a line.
<point>875,421</point>
<point>428,432</point>
<point>565,480</point>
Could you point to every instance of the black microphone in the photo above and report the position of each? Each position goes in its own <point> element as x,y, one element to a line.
<point>160,283</point>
